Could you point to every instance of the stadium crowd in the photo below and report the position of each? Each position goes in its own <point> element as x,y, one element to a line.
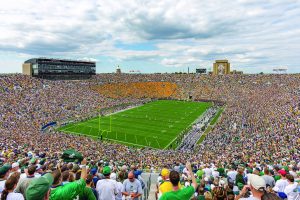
<point>258,133</point>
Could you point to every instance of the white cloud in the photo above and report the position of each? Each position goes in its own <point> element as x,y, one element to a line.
<point>249,33</point>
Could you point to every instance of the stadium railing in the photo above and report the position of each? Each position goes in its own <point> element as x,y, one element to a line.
<point>145,195</point>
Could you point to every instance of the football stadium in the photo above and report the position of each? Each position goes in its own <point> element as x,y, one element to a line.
<point>157,124</point>
<point>149,100</point>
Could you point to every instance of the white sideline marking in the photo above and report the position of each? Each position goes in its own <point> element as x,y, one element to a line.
<point>120,141</point>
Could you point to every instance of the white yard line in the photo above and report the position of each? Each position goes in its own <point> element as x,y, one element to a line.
<point>119,141</point>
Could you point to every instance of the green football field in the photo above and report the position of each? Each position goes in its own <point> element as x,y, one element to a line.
<point>155,124</point>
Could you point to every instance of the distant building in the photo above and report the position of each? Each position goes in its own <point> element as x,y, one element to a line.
<point>59,69</point>
<point>201,71</point>
<point>221,67</point>
<point>281,69</point>
<point>118,70</point>
<point>236,72</point>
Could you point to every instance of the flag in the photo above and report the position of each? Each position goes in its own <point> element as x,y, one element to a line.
<point>70,155</point>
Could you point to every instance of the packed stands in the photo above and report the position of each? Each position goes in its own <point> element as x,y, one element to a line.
<point>157,90</point>
<point>257,136</point>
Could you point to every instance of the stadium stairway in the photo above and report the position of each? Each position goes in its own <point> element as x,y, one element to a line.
<point>151,179</point>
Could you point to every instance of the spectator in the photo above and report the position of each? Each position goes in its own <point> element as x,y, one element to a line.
<point>39,189</point>
<point>4,173</point>
<point>107,188</point>
<point>113,176</point>
<point>177,193</point>
<point>291,189</point>
<point>89,193</point>
<point>24,182</point>
<point>8,192</point>
<point>282,182</point>
<point>132,187</point>
<point>70,190</point>
<point>270,182</point>
<point>257,185</point>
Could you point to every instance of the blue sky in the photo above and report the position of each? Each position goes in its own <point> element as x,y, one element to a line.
<point>152,36</point>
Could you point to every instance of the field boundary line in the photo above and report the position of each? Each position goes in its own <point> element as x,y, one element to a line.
<point>170,143</point>
<point>119,141</point>
<point>187,126</point>
<point>210,127</point>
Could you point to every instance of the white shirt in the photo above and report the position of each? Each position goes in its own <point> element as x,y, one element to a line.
<point>289,191</point>
<point>14,196</point>
<point>207,172</point>
<point>186,171</point>
<point>280,185</point>
<point>232,175</point>
<point>294,174</point>
<point>215,174</point>
<point>119,189</point>
<point>107,189</point>
<point>2,184</point>
<point>249,198</point>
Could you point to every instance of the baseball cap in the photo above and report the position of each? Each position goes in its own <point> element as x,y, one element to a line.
<point>106,170</point>
<point>165,172</point>
<point>113,176</point>
<point>39,187</point>
<point>93,171</point>
<point>33,160</point>
<point>5,168</point>
<point>256,181</point>
<point>16,164</point>
<point>282,172</point>
<point>42,161</point>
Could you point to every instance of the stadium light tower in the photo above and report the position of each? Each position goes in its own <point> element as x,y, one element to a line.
<point>280,70</point>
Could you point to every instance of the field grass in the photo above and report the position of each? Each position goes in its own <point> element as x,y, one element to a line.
<point>155,124</point>
<point>207,130</point>
<point>215,119</point>
<point>212,123</point>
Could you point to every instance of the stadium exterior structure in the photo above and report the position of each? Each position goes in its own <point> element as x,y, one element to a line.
<point>59,69</point>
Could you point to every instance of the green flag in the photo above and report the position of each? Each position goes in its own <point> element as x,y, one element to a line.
<point>70,155</point>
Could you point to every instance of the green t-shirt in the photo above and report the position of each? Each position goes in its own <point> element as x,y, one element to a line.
<point>200,173</point>
<point>276,177</point>
<point>87,194</point>
<point>221,171</point>
<point>183,194</point>
<point>69,191</point>
<point>239,179</point>
<point>201,197</point>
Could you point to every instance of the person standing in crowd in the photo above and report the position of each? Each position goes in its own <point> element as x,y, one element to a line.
<point>113,176</point>
<point>39,189</point>
<point>270,181</point>
<point>88,193</point>
<point>107,188</point>
<point>24,182</point>
<point>239,180</point>
<point>4,173</point>
<point>207,171</point>
<point>231,174</point>
<point>8,192</point>
<point>14,168</point>
<point>256,185</point>
<point>177,193</point>
<point>70,190</point>
<point>281,183</point>
<point>291,189</point>
<point>132,187</point>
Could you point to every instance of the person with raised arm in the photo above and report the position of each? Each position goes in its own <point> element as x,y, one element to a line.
<point>177,193</point>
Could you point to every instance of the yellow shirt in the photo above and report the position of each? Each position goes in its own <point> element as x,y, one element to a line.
<point>167,187</point>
